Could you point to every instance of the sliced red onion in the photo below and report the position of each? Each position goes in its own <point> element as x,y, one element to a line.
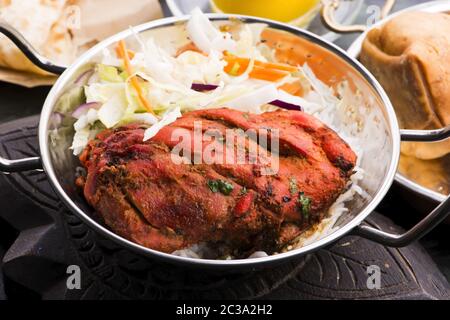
<point>203,87</point>
<point>286,105</point>
<point>84,77</point>
<point>84,108</point>
<point>55,120</point>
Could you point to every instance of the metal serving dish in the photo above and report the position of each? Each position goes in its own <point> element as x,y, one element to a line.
<point>379,162</point>
<point>354,50</point>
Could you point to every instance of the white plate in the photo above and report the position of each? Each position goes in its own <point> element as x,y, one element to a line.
<point>345,14</point>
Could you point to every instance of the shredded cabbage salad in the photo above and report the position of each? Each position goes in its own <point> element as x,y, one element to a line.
<point>154,86</point>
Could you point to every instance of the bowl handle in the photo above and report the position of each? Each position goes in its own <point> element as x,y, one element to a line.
<point>33,163</point>
<point>415,233</point>
<point>27,49</point>
<point>25,164</point>
<point>327,15</point>
<point>427,223</point>
<point>425,135</point>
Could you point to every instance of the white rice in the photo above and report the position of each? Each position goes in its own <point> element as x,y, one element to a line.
<point>340,114</point>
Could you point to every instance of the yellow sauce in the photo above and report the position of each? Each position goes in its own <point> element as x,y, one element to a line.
<point>281,10</point>
<point>432,174</point>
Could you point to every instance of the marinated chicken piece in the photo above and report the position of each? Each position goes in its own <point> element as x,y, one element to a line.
<point>168,201</point>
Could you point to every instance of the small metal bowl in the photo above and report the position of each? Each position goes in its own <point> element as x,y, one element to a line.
<point>413,188</point>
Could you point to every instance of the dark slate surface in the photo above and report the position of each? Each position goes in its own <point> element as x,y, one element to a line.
<point>51,238</point>
<point>2,285</point>
<point>17,102</point>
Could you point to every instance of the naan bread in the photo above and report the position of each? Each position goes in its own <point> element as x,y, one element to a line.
<point>41,23</point>
<point>62,29</point>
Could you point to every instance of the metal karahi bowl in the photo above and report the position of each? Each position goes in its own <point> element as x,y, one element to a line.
<point>379,162</point>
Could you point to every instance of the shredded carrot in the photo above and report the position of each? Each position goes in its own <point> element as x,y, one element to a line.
<point>267,74</point>
<point>257,72</point>
<point>295,88</point>
<point>188,47</point>
<point>266,65</point>
<point>131,53</point>
<point>123,53</point>
<point>261,70</point>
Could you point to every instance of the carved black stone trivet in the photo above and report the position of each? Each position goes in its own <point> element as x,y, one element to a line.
<point>51,238</point>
